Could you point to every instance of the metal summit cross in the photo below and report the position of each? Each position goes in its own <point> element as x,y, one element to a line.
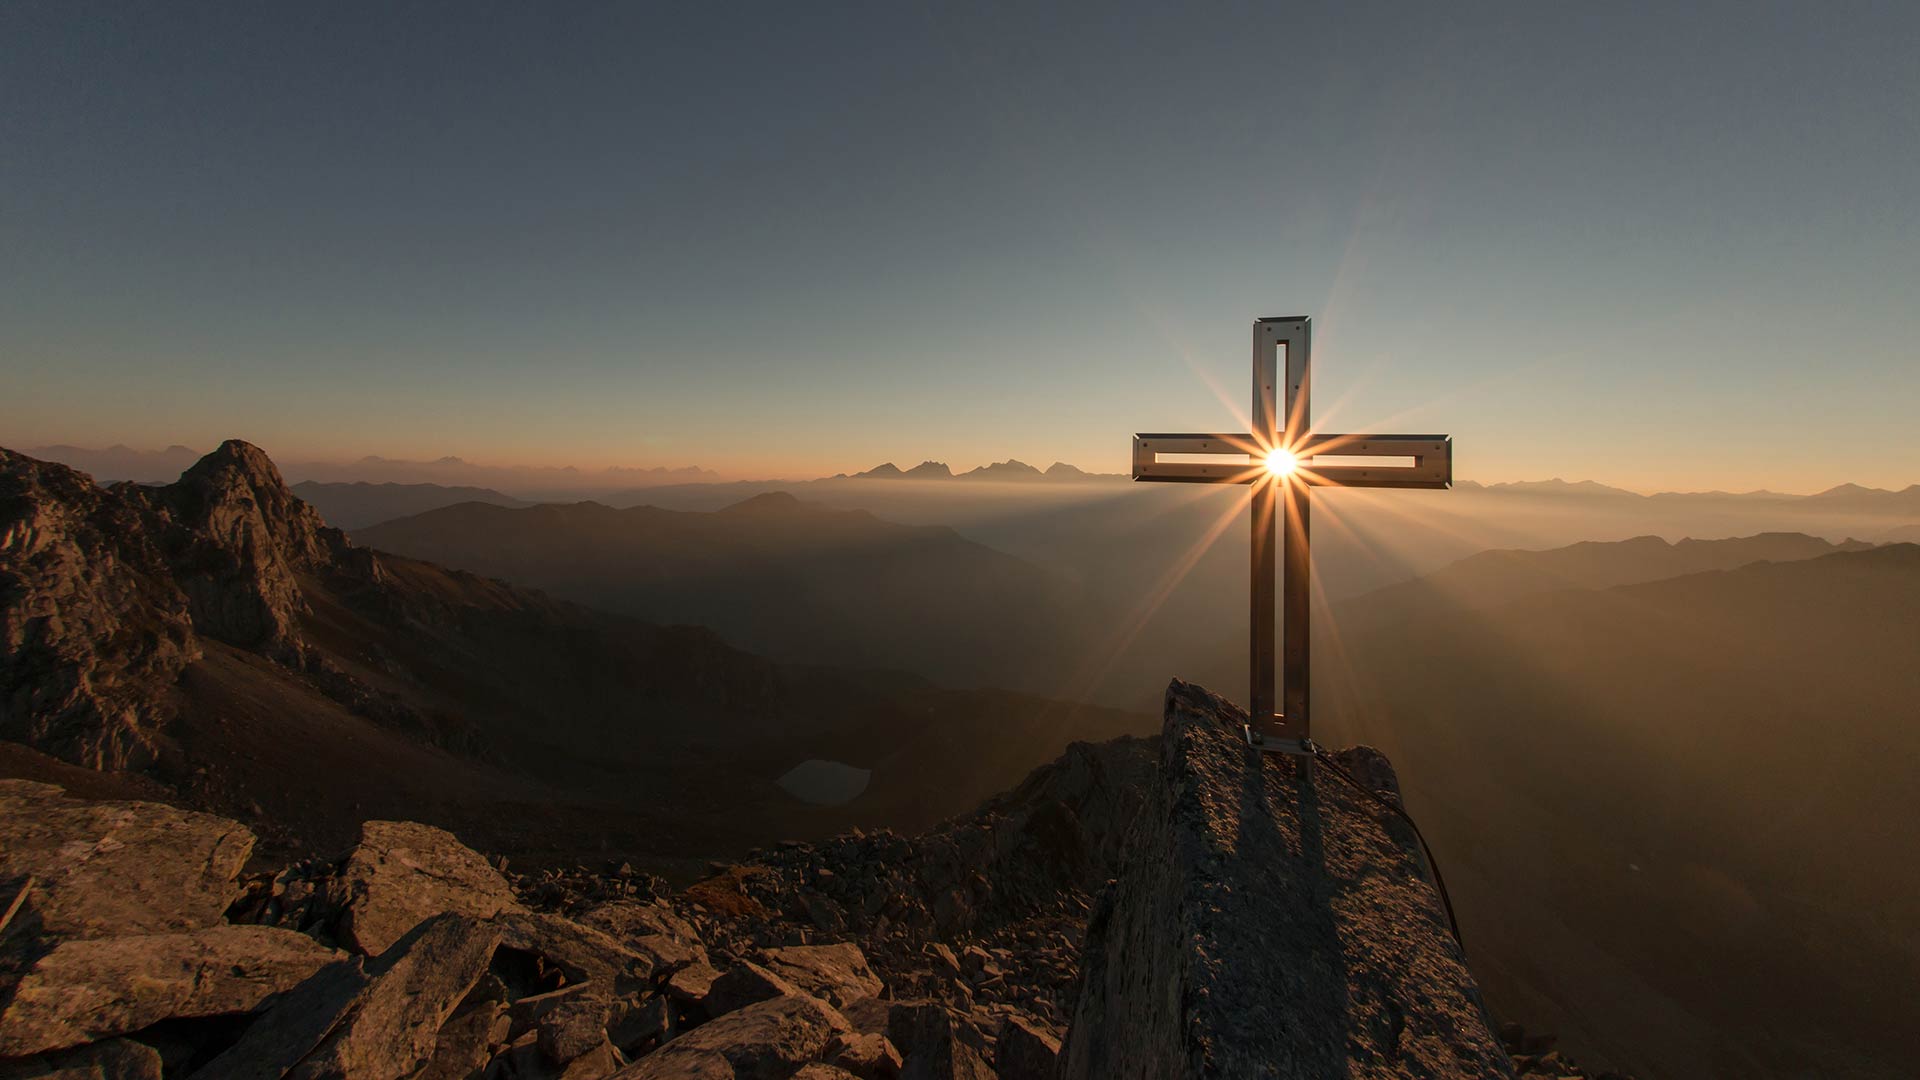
<point>1284,459</point>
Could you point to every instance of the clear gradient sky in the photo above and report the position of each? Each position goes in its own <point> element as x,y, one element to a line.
<point>1655,247</point>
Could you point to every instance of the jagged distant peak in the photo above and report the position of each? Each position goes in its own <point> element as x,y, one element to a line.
<point>886,470</point>
<point>1010,469</point>
<point>1559,486</point>
<point>930,470</point>
<point>1844,490</point>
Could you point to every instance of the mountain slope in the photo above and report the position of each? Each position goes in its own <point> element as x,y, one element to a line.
<point>217,636</point>
<point>793,580</point>
<point>359,504</point>
<point>1665,808</point>
<point>1491,578</point>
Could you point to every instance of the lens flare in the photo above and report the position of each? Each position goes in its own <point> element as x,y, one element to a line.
<point>1282,463</point>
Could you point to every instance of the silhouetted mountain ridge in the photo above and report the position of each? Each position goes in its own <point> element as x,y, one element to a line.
<point>1492,578</point>
<point>359,504</point>
<point>1008,470</point>
<point>780,576</point>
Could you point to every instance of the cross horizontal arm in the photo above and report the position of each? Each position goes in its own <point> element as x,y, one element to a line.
<point>1148,466</point>
<point>1430,457</point>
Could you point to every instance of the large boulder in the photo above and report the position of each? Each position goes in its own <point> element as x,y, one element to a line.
<point>835,973</point>
<point>403,873</point>
<point>100,869</point>
<point>85,990</point>
<point>1274,921</point>
<point>769,1040</point>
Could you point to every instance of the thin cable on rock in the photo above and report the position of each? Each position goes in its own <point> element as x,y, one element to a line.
<point>1439,881</point>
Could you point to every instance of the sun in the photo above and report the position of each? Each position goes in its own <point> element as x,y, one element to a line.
<point>1281,463</point>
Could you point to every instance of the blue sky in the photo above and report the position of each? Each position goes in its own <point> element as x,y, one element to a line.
<point>1653,247</point>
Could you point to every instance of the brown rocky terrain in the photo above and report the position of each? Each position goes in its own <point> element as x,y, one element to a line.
<point>1291,916</point>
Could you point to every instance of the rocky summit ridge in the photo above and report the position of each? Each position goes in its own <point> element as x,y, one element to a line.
<point>106,594</point>
<point>1168,907</point>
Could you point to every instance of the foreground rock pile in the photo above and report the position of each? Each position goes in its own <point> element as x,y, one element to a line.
<point>411,956</point>
<point>139,949</point>
<point>1116,915</point>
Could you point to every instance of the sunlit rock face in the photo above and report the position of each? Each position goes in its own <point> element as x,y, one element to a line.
<point>236,538</point>
<point>1273,920</point>
<point>106,595</point>
<point>92,631</point>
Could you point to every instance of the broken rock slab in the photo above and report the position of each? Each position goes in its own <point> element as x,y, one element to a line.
<point>114,1059</point>
<point>585,954</point>
<point>817,1071</point>
<point>1026,1051</point>
<point>934,1043</point>
<point>1274,921</point>
<point>767,1040</point>
<point>360,1018</point>
<point>104,868</point>
<point>91,989</point>
<point>403,873</point>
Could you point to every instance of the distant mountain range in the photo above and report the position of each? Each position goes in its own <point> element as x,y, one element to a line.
<point>1492,578</point>
<point>1843,497</point>
<point>1010,469</point>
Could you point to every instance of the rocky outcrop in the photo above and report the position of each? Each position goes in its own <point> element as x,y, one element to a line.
<point>91,631</point>
<point>105,595</point>
<point>235,537</point>
<point>1273,922</point>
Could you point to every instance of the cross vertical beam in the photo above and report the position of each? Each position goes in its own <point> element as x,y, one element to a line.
<point>1282,361</point>
<point>1261,700</point>
<point>1296,544</point>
